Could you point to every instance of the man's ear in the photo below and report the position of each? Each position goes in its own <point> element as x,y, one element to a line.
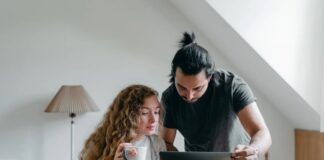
<point>209,78</point>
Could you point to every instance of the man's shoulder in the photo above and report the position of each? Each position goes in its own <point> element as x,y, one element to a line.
<point>168,92</point>
<point>224,73</point>
<point>222,76</point>
<point>225,76</point>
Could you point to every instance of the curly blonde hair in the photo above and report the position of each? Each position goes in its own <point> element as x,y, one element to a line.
<point>118,125</point>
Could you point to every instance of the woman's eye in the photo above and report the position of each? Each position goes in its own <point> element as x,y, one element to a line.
<point>144,113</point>
<point>158,112</point>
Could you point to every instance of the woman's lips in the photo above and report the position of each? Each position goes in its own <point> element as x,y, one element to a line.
<point>151,127</point>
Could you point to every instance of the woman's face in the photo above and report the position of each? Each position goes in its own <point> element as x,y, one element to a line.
<point>149,116</point>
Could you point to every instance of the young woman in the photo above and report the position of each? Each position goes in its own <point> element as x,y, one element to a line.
<point>132,119</point>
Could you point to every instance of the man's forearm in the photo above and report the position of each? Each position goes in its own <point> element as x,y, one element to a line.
<point>170,147</point>
<point>261,141</point>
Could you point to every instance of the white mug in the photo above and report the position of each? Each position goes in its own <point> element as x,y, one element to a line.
<point>141,153</point>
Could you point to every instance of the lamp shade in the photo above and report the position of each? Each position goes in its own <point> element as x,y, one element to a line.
<point>72,99</point>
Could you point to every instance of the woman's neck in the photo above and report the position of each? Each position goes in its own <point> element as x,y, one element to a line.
<point>138,137</point>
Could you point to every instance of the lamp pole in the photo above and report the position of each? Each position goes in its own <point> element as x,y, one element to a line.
<point>72,115</point>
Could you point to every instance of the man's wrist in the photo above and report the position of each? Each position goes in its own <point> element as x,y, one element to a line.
<point>255,151</point>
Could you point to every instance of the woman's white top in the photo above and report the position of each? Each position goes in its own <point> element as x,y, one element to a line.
<point>154,145</point>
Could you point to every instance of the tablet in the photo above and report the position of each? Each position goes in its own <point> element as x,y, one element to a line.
<point>195,155</point>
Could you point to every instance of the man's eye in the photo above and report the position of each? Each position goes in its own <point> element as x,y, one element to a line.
<point>181,88</point>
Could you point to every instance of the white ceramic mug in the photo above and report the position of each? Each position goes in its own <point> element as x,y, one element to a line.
<point>141,153</point>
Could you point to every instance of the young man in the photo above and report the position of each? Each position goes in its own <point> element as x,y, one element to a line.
<point>215,110</point>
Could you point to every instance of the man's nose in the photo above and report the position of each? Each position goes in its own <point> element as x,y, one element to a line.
<point>190,95</point>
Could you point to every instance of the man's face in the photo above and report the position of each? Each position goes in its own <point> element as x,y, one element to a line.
<point>191,87</point>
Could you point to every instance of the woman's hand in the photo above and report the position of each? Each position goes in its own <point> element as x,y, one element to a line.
<point>119,154</point>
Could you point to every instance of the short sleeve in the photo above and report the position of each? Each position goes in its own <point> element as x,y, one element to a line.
<point>241,93</point>
<point>169,120</point>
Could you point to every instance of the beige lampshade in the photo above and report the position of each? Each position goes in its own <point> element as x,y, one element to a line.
<point>72,99</point>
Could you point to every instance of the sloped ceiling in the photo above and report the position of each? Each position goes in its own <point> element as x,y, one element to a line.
<point>249,63</point>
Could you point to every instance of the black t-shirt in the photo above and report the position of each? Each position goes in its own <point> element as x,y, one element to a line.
<point>210,123</point>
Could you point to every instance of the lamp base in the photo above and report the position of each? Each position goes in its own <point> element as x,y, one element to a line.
<point>72,115</point>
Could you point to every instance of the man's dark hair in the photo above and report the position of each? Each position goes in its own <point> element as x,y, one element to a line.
<point>191,58</point>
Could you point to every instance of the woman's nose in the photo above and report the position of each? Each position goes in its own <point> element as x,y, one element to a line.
<point>152,117</point>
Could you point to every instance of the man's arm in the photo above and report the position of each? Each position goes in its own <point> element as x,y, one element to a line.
<point>169,134</point>
<point>254,124</point>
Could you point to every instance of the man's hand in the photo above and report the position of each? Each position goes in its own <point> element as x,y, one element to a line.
<point>243,152</point>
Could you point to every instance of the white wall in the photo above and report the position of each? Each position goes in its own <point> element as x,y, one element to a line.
<point>287,34</point>
<point>322,111</point>
<point>283,142</point>
<point>322,87</point>
<point>103,45</point>
<point>321,25</point>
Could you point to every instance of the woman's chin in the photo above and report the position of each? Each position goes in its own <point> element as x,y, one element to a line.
<point>149,133</point>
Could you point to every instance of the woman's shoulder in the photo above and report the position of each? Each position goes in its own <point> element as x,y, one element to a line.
<point>156,138</point>
<point>158,142</point>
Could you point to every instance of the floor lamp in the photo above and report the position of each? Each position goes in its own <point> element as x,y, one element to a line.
<point>72,99</point>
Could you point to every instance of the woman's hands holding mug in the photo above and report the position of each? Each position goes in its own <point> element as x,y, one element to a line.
<point>119,154</point>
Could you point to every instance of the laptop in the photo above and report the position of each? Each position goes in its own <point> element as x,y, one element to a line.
<point>166,155</point>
